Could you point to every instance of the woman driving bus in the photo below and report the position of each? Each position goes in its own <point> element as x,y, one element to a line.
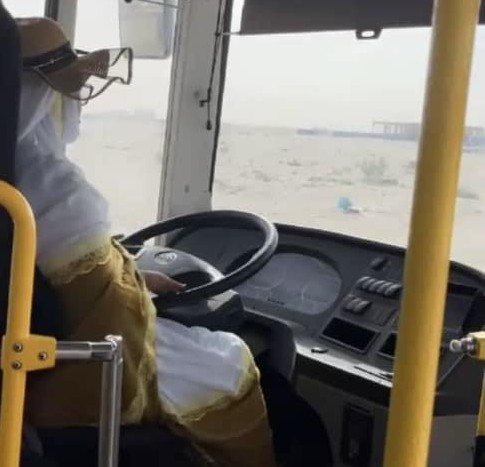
<point>204,385</point>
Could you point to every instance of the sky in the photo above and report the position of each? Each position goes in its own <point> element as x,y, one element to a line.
<point>300,80</point>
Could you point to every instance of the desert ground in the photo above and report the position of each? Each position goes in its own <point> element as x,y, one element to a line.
<point>361,187</point>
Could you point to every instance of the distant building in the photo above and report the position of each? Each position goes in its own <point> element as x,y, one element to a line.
<point>474,135</point>
<point>312,131</point>
<point>397,130</point>
<point>475,132</point>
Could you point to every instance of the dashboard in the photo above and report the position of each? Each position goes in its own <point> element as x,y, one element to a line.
<point>295,281</point>
<point>340,297</point>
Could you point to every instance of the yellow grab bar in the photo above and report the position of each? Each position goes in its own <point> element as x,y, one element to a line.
<point>427,261</point>
<point>21,352</point>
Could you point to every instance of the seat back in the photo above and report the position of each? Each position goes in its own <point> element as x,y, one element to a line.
<point>46,310</point>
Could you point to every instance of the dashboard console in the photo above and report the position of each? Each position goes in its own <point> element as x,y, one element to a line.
<point>339,299</point>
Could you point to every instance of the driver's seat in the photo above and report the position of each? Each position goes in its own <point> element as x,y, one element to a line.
<point>150,446</point>
<point>147,446</point>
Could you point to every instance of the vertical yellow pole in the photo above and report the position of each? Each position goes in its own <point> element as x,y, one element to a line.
<point>18,323</point>
<point>427,261</point>
<point>479,454</point>
<point>481,413</point>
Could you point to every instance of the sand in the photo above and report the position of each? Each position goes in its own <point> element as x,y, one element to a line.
<point>283,175</point>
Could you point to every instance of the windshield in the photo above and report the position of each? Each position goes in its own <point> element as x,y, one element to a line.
<point>318,130</point>
<point>321,130</point>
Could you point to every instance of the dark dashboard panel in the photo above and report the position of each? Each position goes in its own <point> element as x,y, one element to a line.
<point>297,281</point>
<point>343,293</point>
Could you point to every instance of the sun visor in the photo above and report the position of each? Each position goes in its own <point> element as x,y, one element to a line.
<point>362,16</point>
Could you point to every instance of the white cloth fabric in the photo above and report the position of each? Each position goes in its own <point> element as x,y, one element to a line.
<point>197,368</point>
<point>71,113</point>
<point>68,210</point>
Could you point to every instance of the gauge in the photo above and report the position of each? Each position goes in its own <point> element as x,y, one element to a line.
<point>299,282</point>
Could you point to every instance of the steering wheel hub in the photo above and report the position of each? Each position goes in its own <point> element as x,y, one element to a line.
<point>166,257</point>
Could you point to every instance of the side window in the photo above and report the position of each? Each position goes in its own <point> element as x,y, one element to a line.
<point>25,7</point>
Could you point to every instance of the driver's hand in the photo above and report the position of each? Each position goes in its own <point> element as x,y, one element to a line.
<point>159,283</point>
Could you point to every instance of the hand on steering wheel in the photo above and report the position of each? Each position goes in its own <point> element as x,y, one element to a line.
<point>175,263</point>
<point>159,283</point>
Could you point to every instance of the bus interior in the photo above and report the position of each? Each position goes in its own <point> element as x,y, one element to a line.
<point>307,114</point>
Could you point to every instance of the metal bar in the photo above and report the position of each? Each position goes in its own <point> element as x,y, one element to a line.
<point>184,185</point>
<point>18,322</point>
<point>51,9</point>
<point>84,351</point>
<point>111,353</point>
<point>427,260</point>
<point>109,425</point>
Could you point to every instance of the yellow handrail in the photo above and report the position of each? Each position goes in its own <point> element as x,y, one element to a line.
<point>427,261</point>
<point>21,352</point>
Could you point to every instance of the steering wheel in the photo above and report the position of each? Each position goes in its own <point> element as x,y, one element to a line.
<point>175,263</point>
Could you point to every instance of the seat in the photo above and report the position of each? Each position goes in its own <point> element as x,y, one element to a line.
<point>151,446</point>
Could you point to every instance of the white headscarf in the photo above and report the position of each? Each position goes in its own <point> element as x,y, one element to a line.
<point>71,113</point>
<point>68,210</point>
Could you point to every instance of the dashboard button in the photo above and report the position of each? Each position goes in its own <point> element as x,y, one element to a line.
<point>378,263</point>
<point>367,284</point>
<point>375,286</point>
<point>362,307</point>
<point>393,290</point>
<point>352,304</point>
<point>347,301</point>
<point>361,281</point>
<point>381,290</point>
<point>387,291</point>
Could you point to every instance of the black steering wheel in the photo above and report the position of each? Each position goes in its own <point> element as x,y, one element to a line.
<point>176,263</point>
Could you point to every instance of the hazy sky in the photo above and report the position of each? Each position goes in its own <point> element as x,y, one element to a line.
<point>325,79</point>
